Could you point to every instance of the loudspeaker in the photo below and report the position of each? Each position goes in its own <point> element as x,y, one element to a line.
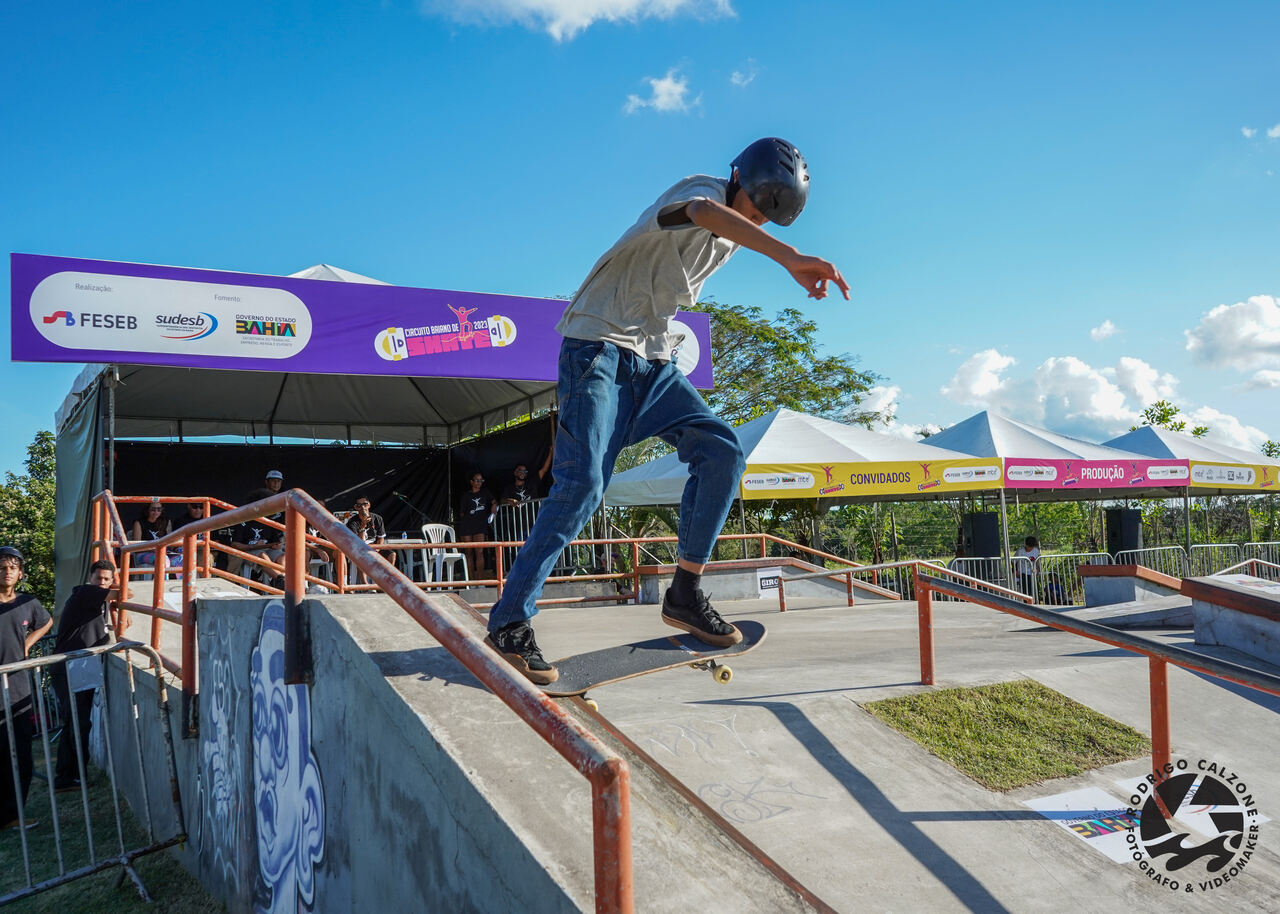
<point>1124,529</point>
<point>981,534</point>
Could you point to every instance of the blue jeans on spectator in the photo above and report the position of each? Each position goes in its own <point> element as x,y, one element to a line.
<point>611,398</point>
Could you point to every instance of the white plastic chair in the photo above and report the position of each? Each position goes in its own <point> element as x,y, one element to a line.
<point>442,533</point>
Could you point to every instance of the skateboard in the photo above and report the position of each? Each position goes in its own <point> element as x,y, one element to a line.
<point>612,664</point>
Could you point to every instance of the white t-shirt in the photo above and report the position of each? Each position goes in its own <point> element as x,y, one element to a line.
<point>1024,569</point>
<point>632,292</point>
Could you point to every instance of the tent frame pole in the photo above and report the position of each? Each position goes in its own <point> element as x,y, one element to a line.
<point>1004,527</point>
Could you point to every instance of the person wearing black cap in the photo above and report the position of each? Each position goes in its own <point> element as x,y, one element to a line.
<point>620,381</point>
<point>23,622</point>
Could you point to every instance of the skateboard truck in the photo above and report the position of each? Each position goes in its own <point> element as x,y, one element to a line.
<point>720,672</point>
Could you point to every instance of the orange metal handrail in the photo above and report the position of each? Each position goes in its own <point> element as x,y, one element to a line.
<point>1158,655</point>
<point>607,772</point>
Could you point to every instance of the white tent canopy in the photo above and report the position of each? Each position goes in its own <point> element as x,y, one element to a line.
<point>988,434</point>
<point>1161,442</point>
<point>782,436</point>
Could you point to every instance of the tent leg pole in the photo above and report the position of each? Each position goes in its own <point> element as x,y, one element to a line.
<point>1004,526</point>
<point>1186,517</point>
<point>111,427</point>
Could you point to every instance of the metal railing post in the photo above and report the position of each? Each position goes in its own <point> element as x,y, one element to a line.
<point>297,648</point>
<point>189,680</point>
<point>1161,753</point>
<point>782,593</point>
<point>611,828</point>
<point>157,594</point>
<point>635,573</point>
<point>924,605</point>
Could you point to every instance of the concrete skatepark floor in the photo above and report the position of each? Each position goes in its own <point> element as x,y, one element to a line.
<point>867,819</point>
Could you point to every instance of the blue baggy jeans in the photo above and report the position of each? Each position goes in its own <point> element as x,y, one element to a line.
<point>611,398</point>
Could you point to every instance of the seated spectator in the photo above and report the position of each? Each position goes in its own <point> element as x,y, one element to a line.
<point>150,526</point>
<point>475,514</point>
<point>258,538</point>
<point>370,527</point>
<point>23,622</point>
<point>82,624</point>
<point>522,488</point>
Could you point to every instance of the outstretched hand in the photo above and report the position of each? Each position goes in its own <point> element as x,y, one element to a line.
<point>814,273</point>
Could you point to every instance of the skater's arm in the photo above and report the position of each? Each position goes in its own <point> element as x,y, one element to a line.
<point>811,272</point>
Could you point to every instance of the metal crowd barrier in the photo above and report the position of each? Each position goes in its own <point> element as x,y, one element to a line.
<point>92,667</point>
<point>513,523</point>
<point>1213,557</point>
<point>1267,552</point>
<point>1020,575</point>
<point>1170,560</point>
<point>1058,577</point>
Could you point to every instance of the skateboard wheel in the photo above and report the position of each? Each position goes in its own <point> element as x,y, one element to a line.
<point>723,674</point>
<point>592,704</point>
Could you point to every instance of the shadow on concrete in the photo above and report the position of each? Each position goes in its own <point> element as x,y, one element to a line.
<point>427,663</point>
<point>898,824</point>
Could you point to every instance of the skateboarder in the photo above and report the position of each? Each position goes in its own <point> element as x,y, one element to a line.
<point>618,384</point>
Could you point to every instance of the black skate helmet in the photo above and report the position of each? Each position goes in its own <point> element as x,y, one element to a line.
<point>775,177</point>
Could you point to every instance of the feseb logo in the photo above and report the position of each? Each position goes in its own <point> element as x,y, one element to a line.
<point>94,319</point>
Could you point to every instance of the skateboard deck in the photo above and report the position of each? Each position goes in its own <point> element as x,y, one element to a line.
<point>611,664</point>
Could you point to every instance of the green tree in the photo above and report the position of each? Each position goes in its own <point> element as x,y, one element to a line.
<point>27,515</point>
<point>1163,414</point>
<point>763,364</point>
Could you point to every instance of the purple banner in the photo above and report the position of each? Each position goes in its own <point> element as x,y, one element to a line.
<point>70,310</point>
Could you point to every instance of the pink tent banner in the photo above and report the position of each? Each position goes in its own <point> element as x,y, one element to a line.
<point>1032,473</point>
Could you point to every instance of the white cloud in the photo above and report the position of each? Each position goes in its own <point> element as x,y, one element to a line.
<point>1266,379</point>
<point>742,78</point>
<point>882,400</point>
<point>1226,429</point>
<point>1243,336</point>
<point>564,19</point>
<point>978,380</point>
<point>1102,331</point>
<point>1274,132</point>
<point>1249,132</point>
<point>1078,399</point>
<point>670,93</point>
<point>1141,383</point>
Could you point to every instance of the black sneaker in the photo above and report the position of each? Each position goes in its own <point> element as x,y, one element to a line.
<point>699,619</point>
<point>515,642</point>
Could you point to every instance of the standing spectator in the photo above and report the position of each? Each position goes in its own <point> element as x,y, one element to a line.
<point>524,489</point>
<point>23,622</point>
<point>475,514</point>
<point>82,624</point>
<point>370,528</point>
<point>1029,550</point>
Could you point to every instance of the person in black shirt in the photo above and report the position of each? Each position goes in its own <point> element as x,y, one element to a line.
<point>23,622</point>
<point>82,624</point>
<point>524,489</point>
<point>372,529</point>
<point>475,514</point>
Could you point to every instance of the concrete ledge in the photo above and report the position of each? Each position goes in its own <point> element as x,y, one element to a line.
<point>1237,611</point>
<point>1105,585</point>
<point>736,580</point>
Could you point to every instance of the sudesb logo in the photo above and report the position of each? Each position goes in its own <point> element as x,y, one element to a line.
<point>65,315</point>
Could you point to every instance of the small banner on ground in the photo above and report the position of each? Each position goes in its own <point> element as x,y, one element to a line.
<point>846,480</point>
<point>767,581</point>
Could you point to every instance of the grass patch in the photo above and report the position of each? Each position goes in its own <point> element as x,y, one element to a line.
<point>1011,734</point>
<point>173,889</point>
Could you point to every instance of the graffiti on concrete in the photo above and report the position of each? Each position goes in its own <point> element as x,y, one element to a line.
<point>220,773</point>
<point>288,795</point>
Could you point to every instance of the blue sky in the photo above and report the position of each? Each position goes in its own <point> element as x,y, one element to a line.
<point>1061,213</point>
